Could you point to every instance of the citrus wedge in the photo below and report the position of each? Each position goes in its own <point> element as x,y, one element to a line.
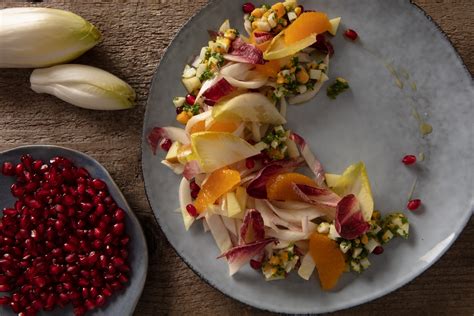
<point>305,25</point>
<point>214,150</point>
<point>280,186</point>
<point>218,183</point>
<point>248,107</point>
<point>356,181</point>
<point>279,48</point>
<point>328,258</point>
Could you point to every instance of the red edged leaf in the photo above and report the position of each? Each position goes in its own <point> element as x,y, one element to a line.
<point>191,169</point>
<point>252,228</point>
<point>350,222</point>
<point>262,37</point>
<point>220,89</point>
<point>257,188</point>
<point>173,133</point>
<point>313,163</point>
<point>324,199</point>
<point>240,255</point>
<point>247,52</point>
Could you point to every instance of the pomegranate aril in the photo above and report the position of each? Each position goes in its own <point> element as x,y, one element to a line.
<point>98,184</point>
<point>190,99</point>
<point>79,311</point>
<point>93,292</point>
<point>409,159</point>
<point>106,292</point>
<point>5,288</point>
<point>248,7</point>
<point>8,169</point>
<point>10,212</point>
<point>166,144</point>
<point>249,163</point>
<point>89,304</point>
<point>100,300</point>
<point>191,209</point>
<point>5,300</point>
<point>118,229</point>
<point>194,194</point>
<point>15,307</point>
<point>119,215</point>
<point>117,261</point>
<point>413,204</point>
<point>378,250</point>
<point>351,34</point>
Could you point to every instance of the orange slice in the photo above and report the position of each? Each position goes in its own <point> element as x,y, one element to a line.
<point>219,182</point>
<point>270,68</point>
<point>280,186</point>
<point>328,258</point>
<point>306,24</point>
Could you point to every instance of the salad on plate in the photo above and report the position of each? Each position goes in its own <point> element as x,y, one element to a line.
<point>251,181</point>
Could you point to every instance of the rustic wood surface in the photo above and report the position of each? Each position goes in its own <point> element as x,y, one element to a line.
<point>135,36</point>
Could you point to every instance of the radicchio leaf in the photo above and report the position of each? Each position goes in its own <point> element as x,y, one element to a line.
<point>240,255</point>
<point>252,228</point>
<point>323,199</point>
<point>157,134</point>
<point>257,188</point>
<point>262,37</point>
<point>244,53</point>
<point>313,163</point>
<point>323,45</point>
<point>350,222</point>
<point>217,91</point>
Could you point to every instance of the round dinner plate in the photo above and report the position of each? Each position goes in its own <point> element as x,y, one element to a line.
<point>122,302</point>
<point>403,72</point>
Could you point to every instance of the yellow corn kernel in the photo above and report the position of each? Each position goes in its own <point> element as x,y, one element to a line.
<point>230,34</point>
<point>274,260</point>
<point>223,43</point>
<point>302,76</point>
<point>258,12</point>
<point>279,8</point>
<point>376,215</point>
<point>298,11</point>
<point>364,239</point>
<point>280,79</point>
<point>183,117</point>
<point>267,13</point>
<point>274,270</point>
<point>284,256</point>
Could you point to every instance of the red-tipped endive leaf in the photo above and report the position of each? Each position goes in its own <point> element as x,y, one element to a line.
<point>313,163</point>
<point>323,199</point>
<point>217,91</point>
<point>252,228</point>
<point>262,37</point>
<point>244,53</point>
<point>257,188</point>
<point>350,222</point>
<point>240,255</point>
<point>157,134</point>
<point>191,169</point>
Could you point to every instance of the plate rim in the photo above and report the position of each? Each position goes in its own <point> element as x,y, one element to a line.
<point>407,279</point>
<point>132,215</point>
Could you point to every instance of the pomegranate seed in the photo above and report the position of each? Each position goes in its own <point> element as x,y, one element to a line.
<point>248,7</point>
<point>409,159</point>
<point>377,250</point>
<point>8,169</point>
<point>117,261</point>
<point>255,264</point>
<point>10,212</point>
<point>192,210</point>
<point>118,229</point>
<point>89,304</point>
<point>166,144</point>
<point>194,186</point>
<point>5,288</point>
<point>79,311</point>
<point>99,184</point>
<point>194,194</point>
<point>249,163</point>
<point>93,292</point>
<point>5,300</point>
<point>106,292</point>
<point>119,215</point>
<point>68,200</point>
<point>190,99</point>
<point>351,34</point>
<point>413,204</point>
<point>179,109</point>
<point>100,300</point>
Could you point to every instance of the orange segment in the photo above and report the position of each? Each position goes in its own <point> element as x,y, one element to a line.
<point>270,68</point>
<point>219,182</point>
<point>306,24</point>
<point>280,186</point>
<point>328,258</point>
<point>227,127</point>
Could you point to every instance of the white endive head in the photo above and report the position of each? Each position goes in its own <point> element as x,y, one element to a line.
<point>84,86</point>
<point>42,37</point>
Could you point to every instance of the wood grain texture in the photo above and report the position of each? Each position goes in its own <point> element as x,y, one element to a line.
<point>135,36</point>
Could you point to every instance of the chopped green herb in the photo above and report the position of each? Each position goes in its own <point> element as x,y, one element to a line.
<point>207,74</point>
<point>193,108</point>
<point>251,18</point>
<point>339,86</point>
<point>295,61</point>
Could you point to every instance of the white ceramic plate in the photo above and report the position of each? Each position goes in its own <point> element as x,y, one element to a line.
<point>372,122</point>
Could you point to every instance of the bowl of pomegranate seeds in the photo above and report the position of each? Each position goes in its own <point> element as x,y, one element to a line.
<point>69,242</point>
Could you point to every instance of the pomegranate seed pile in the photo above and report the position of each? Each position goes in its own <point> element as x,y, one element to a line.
<point>63,242</point>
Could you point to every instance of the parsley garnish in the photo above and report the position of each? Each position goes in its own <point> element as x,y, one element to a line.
<point>339,86</point>
<point>207,74</point>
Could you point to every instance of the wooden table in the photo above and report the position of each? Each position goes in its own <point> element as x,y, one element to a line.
<point>135,36</point>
